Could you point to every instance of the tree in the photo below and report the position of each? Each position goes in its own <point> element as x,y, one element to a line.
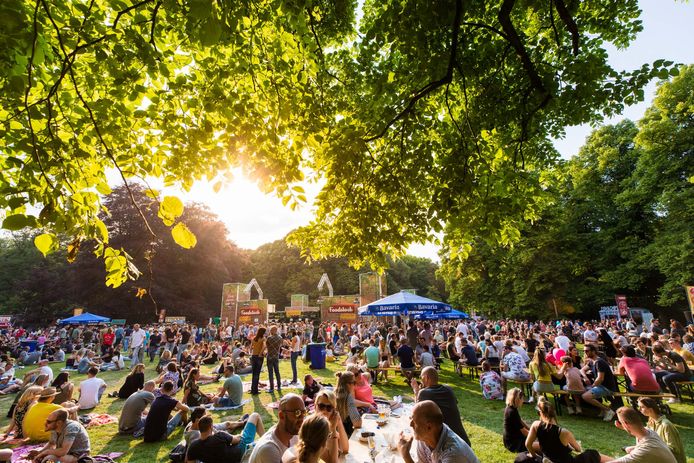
<point>430,118</point>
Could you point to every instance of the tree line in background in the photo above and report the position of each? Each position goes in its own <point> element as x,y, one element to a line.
<point>182,281</point>
<point>619,219</point>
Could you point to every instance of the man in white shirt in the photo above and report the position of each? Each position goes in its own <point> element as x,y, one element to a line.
<point>462,328</point>
<point>43,369</point>
<point>589,336</point>
<point>272,445</point>
<point>354,343</point>
<point>137,343</point>
<point>91,390</point>
<point>563,342</point>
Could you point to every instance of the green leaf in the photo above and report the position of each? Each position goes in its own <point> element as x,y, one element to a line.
<point>16,222</point>
<point>103,231</point>
<point>170,209</point>
<point>46,243</point>
<point>183,236</point>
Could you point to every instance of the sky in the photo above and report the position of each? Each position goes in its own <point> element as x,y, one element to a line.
<point>254,218</point>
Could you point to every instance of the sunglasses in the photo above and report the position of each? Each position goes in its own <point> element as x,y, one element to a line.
<point>297,413</point>
<point>325,407</point>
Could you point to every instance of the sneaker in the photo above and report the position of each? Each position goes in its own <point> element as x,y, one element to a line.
<point>531,399</point>
<point>571,410</point>
<point>609,415</point>
<point>674,400</point>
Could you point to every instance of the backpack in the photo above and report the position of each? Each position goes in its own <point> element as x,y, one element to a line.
<point>178,453</point>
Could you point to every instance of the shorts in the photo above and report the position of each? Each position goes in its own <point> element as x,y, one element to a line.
<point>247,436</point>
<point>543,387</point>
<point>600,391</point>
<point>226,402</point>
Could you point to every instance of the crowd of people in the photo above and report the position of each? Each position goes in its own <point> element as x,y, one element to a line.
<point>318,422</point>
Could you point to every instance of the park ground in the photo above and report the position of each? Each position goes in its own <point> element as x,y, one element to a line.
<point>483,419</point>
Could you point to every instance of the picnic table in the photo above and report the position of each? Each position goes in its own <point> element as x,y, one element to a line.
<point>383,436</point>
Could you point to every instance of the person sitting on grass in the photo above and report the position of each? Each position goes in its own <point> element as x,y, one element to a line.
<point>192,431</point>
<point>515,429</point>
<point>663,427</point>
<point>311,388</point>
<point>164,360</point>
<point>649,447</point>
<point>91,390</point>
<point>26,401</point>
<point>64,386</point>
<point>436,443</point>
<point>36,417</point>
<point>87,362</point>
<point>318,442</point>
<point>192,395</point>
<point>219,446</point>
<point>134,411</point>
<point>158,426</point>
<point>69,441</point>
<point>232,389</point>
<point>133,382</point>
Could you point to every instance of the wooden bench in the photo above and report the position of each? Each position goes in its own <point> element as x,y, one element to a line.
<point>664,407</point>
<point>415,372</point>
<point>526,386</point>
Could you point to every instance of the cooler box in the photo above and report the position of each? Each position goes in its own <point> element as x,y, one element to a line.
<point>316,353</point>
<point>32,345</point>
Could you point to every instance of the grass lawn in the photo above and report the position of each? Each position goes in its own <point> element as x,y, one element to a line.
<point>483,419</point>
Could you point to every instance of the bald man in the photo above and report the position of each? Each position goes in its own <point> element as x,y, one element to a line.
<point>277,439</point>
<point>444,397</point>
<point>436,443</point>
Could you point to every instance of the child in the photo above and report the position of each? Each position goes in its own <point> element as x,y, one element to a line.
<point>574,383</point>
<point>329,354</point>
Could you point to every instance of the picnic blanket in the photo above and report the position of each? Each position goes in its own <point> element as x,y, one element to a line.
<point>212,408</point>
<point>19,453</point>
<point>92,420</point>
<point>68,369</point>
<point>273,405</point>
<point>247,386</point>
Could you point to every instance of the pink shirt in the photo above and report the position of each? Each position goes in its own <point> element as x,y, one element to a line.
<point>363,392</point>
<point>640,373</point>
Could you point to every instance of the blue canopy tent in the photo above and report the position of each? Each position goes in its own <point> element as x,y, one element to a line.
<point>452,315</point>
<point>404,303</point>
<point>84,319</point>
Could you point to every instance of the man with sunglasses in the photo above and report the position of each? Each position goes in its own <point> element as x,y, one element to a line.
<point>273,444</point>
<point>69,440</point>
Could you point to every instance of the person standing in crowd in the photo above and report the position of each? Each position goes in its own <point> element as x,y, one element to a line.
<point>663,427</point>
<point>137,344</point>
<point>443,396</point>
<point>272,445</point>
<point>273,346</point>
<point>257,351</point>
<point>153,344</point>
<point>649,447</point>
<point>183,340</point>
<point>295,354</point>
<point>436,443</point>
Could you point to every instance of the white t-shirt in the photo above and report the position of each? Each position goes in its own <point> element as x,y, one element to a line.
<point>590,336</point>
<point>563,342</point>
<point>269,449</point>
<point>354,341</point>
<point>89,392</point>
<point>46,370</point>
<point>137,338</point>
<point>118,361</point>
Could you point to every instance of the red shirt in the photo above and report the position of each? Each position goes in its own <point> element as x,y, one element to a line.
<point>640,373</point>
<point>108,339</point>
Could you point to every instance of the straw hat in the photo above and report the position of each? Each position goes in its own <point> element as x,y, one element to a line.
<point>48,392</point>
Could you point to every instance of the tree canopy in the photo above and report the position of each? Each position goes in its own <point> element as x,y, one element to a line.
<point>619,221</point>
<point>419,117</point>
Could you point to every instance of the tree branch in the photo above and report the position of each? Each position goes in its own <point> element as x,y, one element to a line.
<point>431,86</point>
<point>128,10</point>
<point>154,25</point>
<point>570,24</point>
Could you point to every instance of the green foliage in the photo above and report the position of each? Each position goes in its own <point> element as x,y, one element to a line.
<point>618,220</point>
<point>433,117</point>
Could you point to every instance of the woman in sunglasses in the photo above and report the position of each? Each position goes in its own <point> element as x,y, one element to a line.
<point>326,405</point>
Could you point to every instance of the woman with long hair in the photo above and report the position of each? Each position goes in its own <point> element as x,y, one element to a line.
<point>344,394</point>
<point>64,387</point>
<point>171,373</point>
<point>557,444</point>
<point>257,356</point>
<point>541,371</point>
<point>663,427</point>
<point>133,382</point>
<point>608,345</point>
<point>515,429</point>
<point>363,394</point>
<point>192,395</point>
<point>41,380</point>
<point>26,400</point>
<point>316,443</point>
<point>326,405</point>
<point>491,353</point>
